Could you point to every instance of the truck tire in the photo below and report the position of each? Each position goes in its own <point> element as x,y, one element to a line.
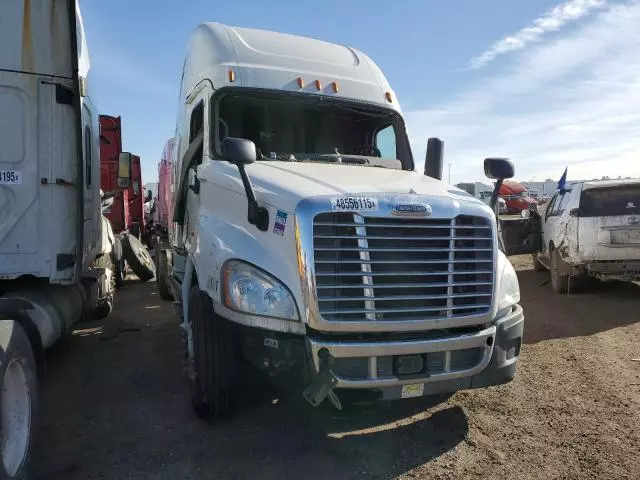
<point>118,263</point>
<point>538,266</point>
<point>162,274</point>
<point>211,361</point>
<point>18,399</point>
<point>105,302</point>
<point>559,281</point>
<point>138,257</point>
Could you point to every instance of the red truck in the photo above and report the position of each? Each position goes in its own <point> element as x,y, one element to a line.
<point>516,197</point>
<point>110,149</point>
<point>126,214</point>
<point>137,199</point>
<point>127,211</point>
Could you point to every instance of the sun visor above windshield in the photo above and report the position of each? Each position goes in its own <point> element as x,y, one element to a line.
<point>245,57</point>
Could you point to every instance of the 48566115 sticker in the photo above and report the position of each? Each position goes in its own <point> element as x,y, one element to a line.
<point>354,204</point>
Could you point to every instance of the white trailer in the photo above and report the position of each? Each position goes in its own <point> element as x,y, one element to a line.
<point>305,242</point>
<point>55,263</point>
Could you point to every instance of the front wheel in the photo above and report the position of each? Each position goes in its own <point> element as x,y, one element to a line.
<point>118,263</point>
<point>162,274</point>
<point>211,358</point>
<point>18,399</point>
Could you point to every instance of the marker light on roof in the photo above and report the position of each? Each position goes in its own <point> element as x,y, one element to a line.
<point>318,86</point>
<point>334,85</point>
<point>232,76</point>
<point>388,96</point>
<point>300,82</point>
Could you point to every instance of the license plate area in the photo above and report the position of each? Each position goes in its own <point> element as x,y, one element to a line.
<point>626,236</point>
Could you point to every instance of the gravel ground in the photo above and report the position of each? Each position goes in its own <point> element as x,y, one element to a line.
<point>115,406</point>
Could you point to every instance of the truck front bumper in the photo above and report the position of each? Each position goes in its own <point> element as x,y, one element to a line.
<point>443,364</point>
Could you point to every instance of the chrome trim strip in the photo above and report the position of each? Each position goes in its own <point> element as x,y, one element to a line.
<point>365,266</point>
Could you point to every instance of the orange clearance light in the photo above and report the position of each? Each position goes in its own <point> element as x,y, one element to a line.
<point>300,82</point>
<point>318,86</point>
<point>334,85</point>
<point>388,96</point>
<point>232,76</point>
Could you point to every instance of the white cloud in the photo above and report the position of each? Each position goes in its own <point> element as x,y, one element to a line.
<point>552,20</point>
<point>573,101</point>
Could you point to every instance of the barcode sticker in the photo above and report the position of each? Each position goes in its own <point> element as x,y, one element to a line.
<point>10,177</point>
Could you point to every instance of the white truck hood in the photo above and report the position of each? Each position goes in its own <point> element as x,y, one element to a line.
<point>284,184</point>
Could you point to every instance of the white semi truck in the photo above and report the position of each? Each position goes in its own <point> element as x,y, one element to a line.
<point>305,242</point>
<point>55,246</point>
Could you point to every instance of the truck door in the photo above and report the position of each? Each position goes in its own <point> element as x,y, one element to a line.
<point>91,187</point>
<point>553,222</point>
<point>192,154</point>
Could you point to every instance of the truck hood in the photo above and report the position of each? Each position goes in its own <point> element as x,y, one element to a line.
<point>284,184</point>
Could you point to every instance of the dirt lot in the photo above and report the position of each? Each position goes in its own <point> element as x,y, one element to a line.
<point>115,406</point>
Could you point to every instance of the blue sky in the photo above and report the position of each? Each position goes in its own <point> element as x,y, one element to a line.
<point>546,83</point>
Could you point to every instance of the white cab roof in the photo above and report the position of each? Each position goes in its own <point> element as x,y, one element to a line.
<point>270,60</point>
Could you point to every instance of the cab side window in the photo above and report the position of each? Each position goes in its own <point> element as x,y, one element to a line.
<point>196,125</point>
<point>564,201</point>
<point>552,206</point>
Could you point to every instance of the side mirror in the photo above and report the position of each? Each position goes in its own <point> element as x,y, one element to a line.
<point>124,170</point>
<point>574,212</point>
<point>148,197</point>
<point>239,151</point>
<point>498,168</point>
<point>434,158</point>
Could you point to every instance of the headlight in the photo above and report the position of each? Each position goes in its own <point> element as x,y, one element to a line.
<point>508,289</point>
<point>250,290</point>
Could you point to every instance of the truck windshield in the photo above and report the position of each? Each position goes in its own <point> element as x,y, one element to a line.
<point>610,201</point>
<point>313,129</point>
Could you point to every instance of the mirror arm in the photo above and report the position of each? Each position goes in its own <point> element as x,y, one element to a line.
<point>494,195</point>
<point>257,215</point>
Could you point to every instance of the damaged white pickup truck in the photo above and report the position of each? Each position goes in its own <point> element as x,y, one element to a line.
<point>590,229</point>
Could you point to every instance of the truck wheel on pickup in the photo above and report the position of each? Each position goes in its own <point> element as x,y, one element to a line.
<point>211,359</point>
<point>18,397</point>
<point>559,281</point>
<point>162,274</point>
<point>138,257</point>
<point>538,266</point>
<point>118,262</point>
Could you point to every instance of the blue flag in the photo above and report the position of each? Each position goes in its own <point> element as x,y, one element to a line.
<point>563,180</point>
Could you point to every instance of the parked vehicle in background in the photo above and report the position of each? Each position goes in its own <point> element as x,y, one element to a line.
<point>138,197</point>
<point>591,229</point>
<point>486,198</point>
<point>516,197</point>
<point>55,262</point>
<point>162,217</point>
<point>110,149</point>
<point>303,240</point>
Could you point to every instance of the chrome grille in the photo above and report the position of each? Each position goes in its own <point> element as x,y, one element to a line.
<point>400,269</point>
